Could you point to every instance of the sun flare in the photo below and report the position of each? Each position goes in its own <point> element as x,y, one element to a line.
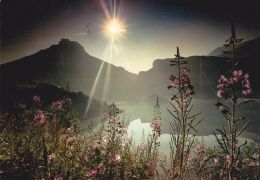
<point>114,28</point>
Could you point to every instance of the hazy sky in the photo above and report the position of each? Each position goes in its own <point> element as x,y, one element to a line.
<point>153,28</point>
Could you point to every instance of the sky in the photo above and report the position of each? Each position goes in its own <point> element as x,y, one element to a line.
<point>153,28</point>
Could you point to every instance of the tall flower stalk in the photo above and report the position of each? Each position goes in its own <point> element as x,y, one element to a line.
<point>156,121</point>
<point>230,88</point>
<point>184,121</point>
<point>153,141</point>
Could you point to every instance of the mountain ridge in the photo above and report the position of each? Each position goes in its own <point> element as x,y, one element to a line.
<point>219,50</point>
<point>63,63</point>
<point>68,63</point>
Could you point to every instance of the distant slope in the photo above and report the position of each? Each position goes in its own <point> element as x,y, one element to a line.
<point>204,74</point>
<point>68,63</point>
<point>205,71</point>
<point>245,47</point>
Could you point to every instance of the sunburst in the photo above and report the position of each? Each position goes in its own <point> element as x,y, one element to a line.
<point>114,29</point>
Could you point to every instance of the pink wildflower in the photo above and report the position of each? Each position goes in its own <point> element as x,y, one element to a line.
<point>183,82</point>
<point>39,117</point>
<point>184,78</point>
<point>199,149</point>
<point>155,125</point>
<point>246,87</point>
<point>237,73</point>
<point>57,105</point>
<point>220,93</point>
<point>91,173</point>
<point>237,79</point>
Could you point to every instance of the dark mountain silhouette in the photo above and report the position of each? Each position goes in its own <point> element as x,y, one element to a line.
<point>244,48</point>
<point>205,71</point>
<point>67,64</point>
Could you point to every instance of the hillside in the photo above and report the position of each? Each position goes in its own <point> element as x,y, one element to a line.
<point>205,71</point>
<point>67,63</point>
<point>22,94</point>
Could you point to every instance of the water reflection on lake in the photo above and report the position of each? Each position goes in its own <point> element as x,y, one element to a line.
<point>139,132</point>
<point>211,117</point>
<point>139,114</point>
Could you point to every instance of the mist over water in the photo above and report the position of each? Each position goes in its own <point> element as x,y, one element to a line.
<point>140,131</point>
<point>140,113</point>
<point>210,115</point>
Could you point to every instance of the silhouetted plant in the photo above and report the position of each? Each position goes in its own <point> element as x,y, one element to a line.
<point>230,88</point>
<point>183,125</point>
<point>156,122</point>
<point>153,143</point>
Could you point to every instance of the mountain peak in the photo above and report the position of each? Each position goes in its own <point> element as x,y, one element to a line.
<point>68,46</point>
<point>67,42</point>
<point>64,41</point>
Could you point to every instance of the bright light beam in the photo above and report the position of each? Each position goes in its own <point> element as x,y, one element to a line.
<point>114,29</point>
<point>92,92</point>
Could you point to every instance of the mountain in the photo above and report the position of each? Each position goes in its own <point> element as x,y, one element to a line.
<point>243,48</point>
<point>205,71</point>
<point>67,64</point>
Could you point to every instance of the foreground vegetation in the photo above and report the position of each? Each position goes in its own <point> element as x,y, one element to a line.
<point>45,143</point>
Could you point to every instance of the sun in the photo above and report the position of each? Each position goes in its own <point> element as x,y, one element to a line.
<point>114,28</point>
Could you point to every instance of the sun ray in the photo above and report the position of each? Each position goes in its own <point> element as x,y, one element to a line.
<point>114,29</point>
<point>92,92</point>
